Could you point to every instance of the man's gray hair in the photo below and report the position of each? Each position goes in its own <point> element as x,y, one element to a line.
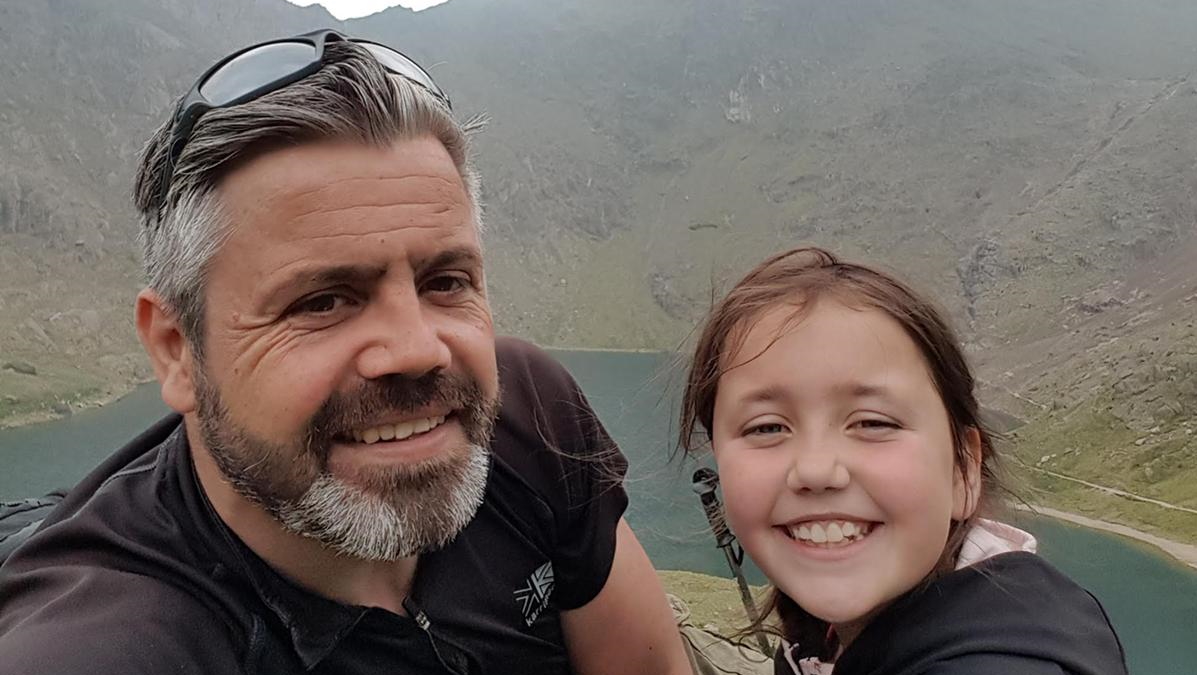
<point>351,97</point>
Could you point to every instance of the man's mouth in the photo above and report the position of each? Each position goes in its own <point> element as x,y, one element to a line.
<point>399,431</point>
<point>829,533</point>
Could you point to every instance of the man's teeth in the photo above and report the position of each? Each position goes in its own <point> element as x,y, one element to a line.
<point>397,432</point>
<point>830,531</point>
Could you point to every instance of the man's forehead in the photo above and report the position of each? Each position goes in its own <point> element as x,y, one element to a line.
<point>299,181</point>
<point>343,205</point>
<point>330,189</point>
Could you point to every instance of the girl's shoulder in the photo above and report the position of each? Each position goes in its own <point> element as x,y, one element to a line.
<point>1013,608</point>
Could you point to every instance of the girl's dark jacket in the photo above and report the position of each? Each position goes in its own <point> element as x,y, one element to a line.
<point>1010,614</point>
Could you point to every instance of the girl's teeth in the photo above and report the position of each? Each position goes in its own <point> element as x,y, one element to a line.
<point>829,532</point>
<point>818,534</point>
<point>834,534</point>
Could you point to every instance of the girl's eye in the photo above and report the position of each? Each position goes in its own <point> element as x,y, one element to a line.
<point>766,429</point>
<point>875,425</point>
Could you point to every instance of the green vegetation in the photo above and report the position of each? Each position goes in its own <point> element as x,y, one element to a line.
<point>1090,443</point>
<point>713,601</point>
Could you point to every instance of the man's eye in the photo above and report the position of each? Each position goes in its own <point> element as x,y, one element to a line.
<point>446,283</point>
<point>324,303</point>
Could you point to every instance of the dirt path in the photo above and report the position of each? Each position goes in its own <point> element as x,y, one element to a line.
<point>1113,491</point>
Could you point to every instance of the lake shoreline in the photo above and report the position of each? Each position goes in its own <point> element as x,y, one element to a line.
<point>1179,551</point>
<point>43,415</point>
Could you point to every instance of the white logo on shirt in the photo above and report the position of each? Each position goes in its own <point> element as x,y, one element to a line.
<point>534,596</point>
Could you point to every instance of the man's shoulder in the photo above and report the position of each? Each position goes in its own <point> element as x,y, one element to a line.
<point>111,621</point>
<point>544,412</point>
<point>119,577</point>
<point>528,370</point>
<point>542,404</point>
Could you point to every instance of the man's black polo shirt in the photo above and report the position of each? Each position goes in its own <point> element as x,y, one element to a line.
<point>135,573</point>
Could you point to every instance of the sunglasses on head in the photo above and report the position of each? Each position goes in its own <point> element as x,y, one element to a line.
<point>257,70</point>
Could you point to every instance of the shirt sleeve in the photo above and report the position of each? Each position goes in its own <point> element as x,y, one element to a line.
<point>579,468</point>
<point>94,628</point>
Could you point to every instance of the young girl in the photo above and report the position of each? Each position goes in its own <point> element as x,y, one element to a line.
<point>855,470</point>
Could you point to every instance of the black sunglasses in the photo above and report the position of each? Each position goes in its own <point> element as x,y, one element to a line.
<point>259,69</point>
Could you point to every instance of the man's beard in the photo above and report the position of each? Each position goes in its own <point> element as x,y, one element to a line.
<point>378,513</point>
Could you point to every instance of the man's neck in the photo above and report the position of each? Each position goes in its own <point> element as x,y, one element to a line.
<point>302,560</point>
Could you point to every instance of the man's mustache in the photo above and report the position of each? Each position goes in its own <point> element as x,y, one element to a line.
<point>344,412</point>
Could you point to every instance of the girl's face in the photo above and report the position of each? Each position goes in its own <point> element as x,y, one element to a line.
<point>836,459</point>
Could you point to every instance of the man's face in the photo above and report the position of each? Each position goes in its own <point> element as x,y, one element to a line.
<point>349,383</point>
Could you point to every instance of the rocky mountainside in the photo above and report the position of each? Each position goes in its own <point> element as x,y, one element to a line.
<point>1032,164</point>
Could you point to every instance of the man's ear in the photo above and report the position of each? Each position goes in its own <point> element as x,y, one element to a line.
<point>170,353</point>
<point>966,486</point>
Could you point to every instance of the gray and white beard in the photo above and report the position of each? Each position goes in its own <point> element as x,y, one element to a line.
<point>378,513</point>
<point>358,523</point>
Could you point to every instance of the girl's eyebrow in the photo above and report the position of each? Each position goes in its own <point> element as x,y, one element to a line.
<point>861,390</point>
<point>775,393</point>
<point>768,394</point>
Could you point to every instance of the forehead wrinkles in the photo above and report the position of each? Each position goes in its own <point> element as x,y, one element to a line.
<point>437,193</point>
<point>283,179</point>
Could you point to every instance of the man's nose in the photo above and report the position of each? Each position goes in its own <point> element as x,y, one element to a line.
<point>404,338</point>
<point>816,465</point>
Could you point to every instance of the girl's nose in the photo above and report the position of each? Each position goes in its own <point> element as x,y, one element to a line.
<point>816,466</point>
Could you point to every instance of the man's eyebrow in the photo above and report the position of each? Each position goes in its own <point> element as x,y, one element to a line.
<point>335,275</point>
<point>462,255</point>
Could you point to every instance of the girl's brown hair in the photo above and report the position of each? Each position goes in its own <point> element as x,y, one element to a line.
<point>800,277</point>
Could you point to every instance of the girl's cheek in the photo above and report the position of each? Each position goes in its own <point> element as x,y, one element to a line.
<point>744,488</point>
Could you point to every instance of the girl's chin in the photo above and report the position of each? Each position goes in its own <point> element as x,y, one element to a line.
<point>847,620</point>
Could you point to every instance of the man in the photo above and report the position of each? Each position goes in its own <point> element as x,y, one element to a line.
<point>337,496</point>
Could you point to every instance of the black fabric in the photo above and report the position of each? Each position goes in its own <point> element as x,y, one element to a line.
<point>135,573</point>
<point>19,519</point>
<point>1012,613</point>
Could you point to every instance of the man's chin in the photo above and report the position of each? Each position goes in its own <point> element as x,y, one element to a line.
<point>387,512</point>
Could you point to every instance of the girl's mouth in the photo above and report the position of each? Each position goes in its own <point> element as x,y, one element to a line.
<point>828,533</point>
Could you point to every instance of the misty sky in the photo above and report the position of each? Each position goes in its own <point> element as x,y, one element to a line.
<point>349,9</point>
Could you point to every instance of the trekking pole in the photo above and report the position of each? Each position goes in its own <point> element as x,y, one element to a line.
<point>705,481</point>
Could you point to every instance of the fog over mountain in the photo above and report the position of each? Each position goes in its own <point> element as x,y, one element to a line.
<point>1032,164</point>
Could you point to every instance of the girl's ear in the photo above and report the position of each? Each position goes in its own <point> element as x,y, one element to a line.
<point>966,485</point>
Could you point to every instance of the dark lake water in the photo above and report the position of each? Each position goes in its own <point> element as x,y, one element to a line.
<point>1151,599</point>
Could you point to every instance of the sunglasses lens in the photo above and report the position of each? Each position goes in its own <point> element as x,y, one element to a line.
<point>254,68</point>
<point>400,64</point>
